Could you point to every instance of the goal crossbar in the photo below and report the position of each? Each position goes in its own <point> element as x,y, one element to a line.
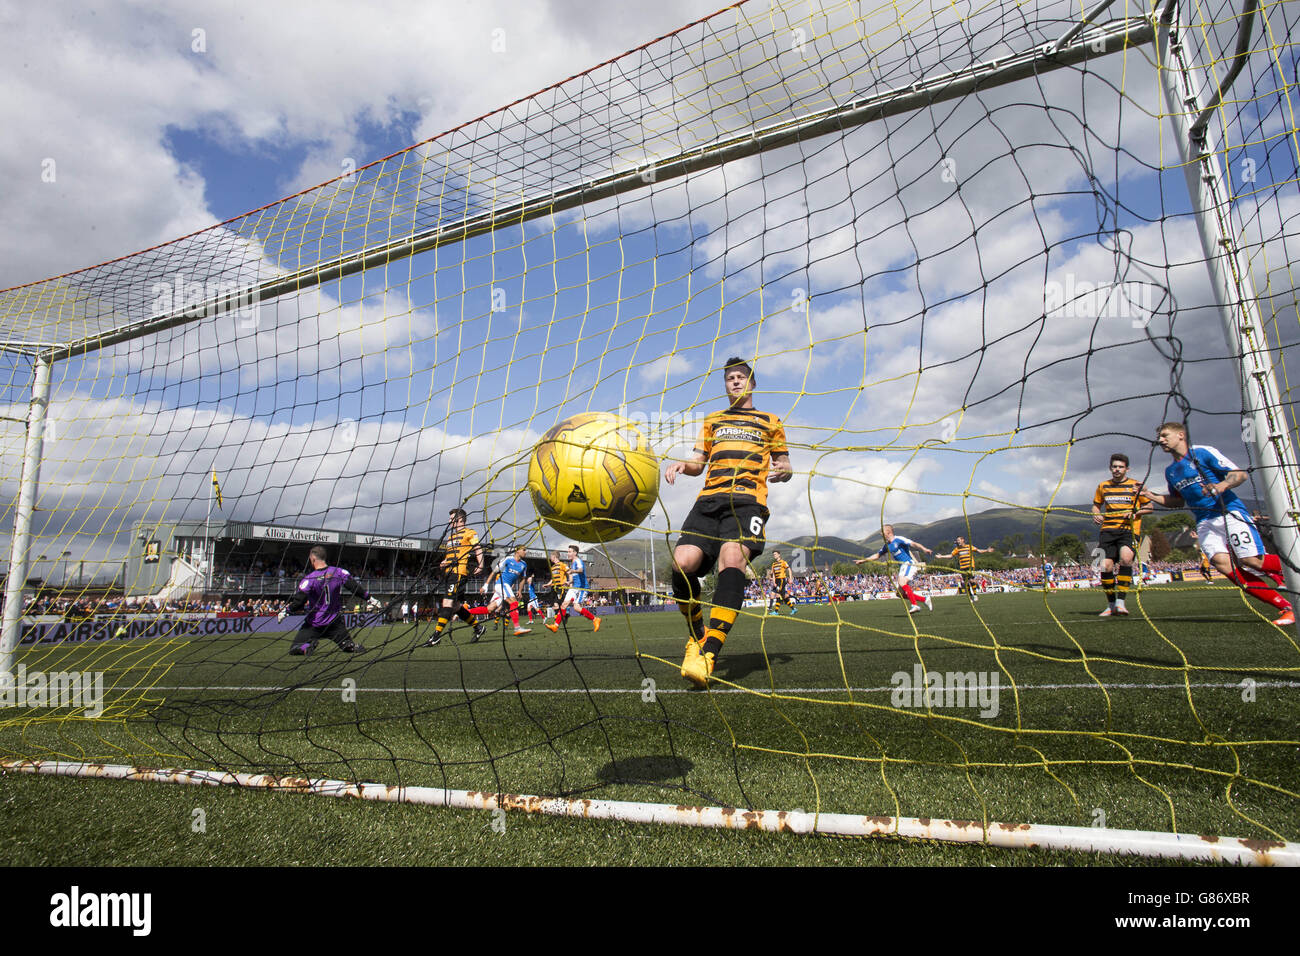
<point>1092,43</point>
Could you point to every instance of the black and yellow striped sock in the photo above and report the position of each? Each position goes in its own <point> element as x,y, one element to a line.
<point>442,624</point>
<point>727,598</point>
<point>1124,580</point>
<point>1108,585</point>
<point>720,622</point>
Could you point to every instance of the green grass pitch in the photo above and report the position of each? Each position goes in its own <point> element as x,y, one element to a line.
<point>1180,717</point>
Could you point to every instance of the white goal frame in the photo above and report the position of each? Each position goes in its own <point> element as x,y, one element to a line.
<point>1229,274</point>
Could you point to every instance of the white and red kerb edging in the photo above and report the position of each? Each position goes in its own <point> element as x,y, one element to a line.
<point>1009,835</point>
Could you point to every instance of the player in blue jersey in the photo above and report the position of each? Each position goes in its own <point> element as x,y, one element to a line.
<point>900,549</point>
<point>1201,479</point>
<point>577,591</point>
<point>1048,570</point>
<point>505,585</point>
<point>534,602</point>
<point>321,594</point>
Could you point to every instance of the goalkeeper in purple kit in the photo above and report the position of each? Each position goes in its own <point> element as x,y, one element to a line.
<point>321,593</point>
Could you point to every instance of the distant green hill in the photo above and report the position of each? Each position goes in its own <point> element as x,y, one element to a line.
<point>632,553</point>
<point>992,527</point>
<point>1028,529</point>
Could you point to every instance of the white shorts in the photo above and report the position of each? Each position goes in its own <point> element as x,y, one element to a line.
<point>1232,533</point>
<point>907,571</point>
<point>573,595</point>
<point>502,593</point>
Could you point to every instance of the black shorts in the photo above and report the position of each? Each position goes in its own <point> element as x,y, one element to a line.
<point>334,631</point>
<point>780,587</point>
<point>713,522</point>
<point>454,586</point>
<point>1113,540</point>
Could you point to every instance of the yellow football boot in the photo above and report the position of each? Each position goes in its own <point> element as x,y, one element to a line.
<point>697,667</point>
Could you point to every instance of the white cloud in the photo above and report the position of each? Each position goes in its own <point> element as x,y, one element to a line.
<point>117,461</point>
<point>95,88</point>
<point>667,368</point>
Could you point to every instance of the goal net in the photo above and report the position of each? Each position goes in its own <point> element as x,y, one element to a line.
<point>956,243</point>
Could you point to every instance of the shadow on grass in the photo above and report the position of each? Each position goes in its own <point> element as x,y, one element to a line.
<point>652,768</point>
<point>736,668</point>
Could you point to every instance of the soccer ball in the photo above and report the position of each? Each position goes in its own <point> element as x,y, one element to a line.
<point>593,477</point>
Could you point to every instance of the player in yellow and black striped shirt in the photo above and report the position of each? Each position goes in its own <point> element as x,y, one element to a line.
<point>965,555</point>
<point>1118,507</point>
<point>559,584</point>
<point>461,544</point>
<point>743,450</point>
<point>780,572</point>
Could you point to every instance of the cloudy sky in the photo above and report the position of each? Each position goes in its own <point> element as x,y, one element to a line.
<point>917,292</point>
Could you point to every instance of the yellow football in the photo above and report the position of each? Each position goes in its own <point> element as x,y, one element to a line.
<point>593,477</point>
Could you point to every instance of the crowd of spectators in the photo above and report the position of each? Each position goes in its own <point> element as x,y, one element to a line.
<point>87,607</point>
<point>819,587</point>
<point>271,566</point>
<point>865,587</point>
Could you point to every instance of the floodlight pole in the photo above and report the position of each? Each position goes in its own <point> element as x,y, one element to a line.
<point>20,546</point>
<point>654,577</point>
<point>1264,419</point>
<point>209,550</point>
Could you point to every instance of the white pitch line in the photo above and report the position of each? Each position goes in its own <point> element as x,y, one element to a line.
<point>762,692</point>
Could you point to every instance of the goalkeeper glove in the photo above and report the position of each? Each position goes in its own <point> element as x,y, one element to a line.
<point>284,612</point>
<point>374,604</point>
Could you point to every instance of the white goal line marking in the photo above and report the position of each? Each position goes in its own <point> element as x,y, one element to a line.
<point>761,692</point>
